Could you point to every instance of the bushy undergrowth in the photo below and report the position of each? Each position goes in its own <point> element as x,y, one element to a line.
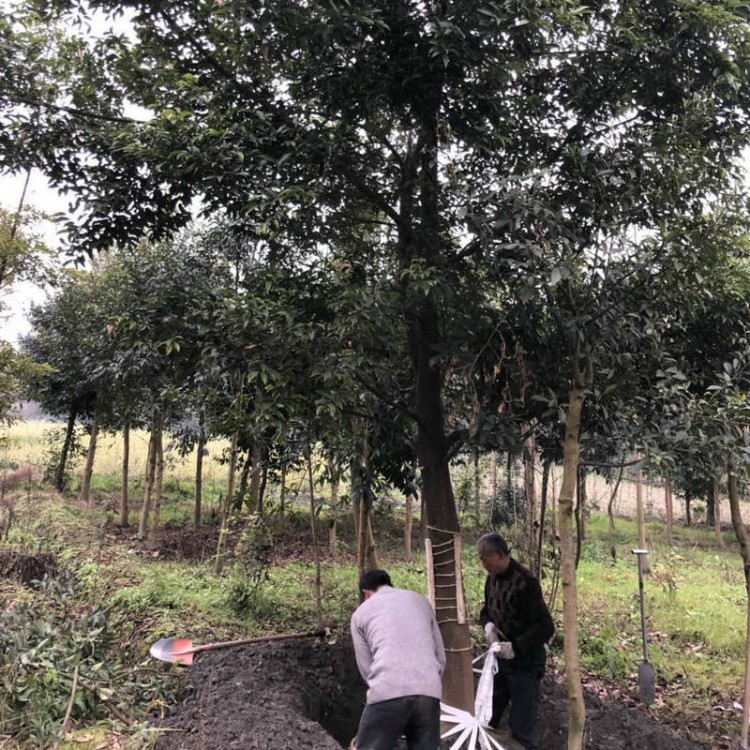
<point>56,659</point>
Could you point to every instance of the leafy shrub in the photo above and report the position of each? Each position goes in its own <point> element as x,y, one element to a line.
<point>45,649</point>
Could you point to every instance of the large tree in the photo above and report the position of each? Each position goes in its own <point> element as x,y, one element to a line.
<point>459,128</point>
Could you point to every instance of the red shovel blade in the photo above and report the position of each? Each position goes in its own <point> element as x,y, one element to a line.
<point>175,650</point>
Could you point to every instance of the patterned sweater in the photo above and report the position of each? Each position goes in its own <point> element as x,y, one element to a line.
<point>514,602</point>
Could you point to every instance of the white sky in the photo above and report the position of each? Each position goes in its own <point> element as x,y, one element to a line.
<point>39,195</point>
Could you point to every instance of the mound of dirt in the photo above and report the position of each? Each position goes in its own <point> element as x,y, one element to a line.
<point>308,694</point>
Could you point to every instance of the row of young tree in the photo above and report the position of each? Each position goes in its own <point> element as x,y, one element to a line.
<point>437,226</point>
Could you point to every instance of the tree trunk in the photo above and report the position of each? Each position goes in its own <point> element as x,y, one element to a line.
<point>571,450</point>
<point>476,488</point>
<point>150,474</point>
<point>542,518</point>
<point>493,481</point>
<point>641,520</point>
<point>201,447</point>
<point>578,512</point>
<point>717,514</point>
<point>316,550</point>
<point>442,519</point>
<point>226,513</point>
<point>611,513</point>
<point>408,525</point>
<point>256,475</point>
<point>88,471</point>
<point>742,539</point>
<point>332,540</point>
<point>124,521</point>
<point>65,452</point>
<point>154,530</point>
<point>282,489</point>
<point>529,485</point>
<point>688,515</point>
<point>669,507</point>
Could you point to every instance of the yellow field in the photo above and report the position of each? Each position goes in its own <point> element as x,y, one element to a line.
<point>25,443</point>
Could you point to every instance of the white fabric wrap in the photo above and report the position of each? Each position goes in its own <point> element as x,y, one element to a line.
<point>483,699</point>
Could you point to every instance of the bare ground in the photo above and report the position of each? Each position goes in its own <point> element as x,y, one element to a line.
<point>298,695</point>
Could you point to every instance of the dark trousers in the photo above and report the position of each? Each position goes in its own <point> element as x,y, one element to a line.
<point>517,682</point>
<point>415,716</point>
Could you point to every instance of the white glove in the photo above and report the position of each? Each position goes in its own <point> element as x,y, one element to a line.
<point>491,634</point>
<point>505,650</point>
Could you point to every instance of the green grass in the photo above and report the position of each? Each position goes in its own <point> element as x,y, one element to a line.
<point>695,598</point>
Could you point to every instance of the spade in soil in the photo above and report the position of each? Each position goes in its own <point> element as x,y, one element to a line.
<point>646,683</point>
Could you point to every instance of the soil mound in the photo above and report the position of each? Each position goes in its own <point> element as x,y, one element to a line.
<point>308,695</point>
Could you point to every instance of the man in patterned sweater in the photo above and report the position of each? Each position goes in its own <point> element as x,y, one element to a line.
<point>515,614</point>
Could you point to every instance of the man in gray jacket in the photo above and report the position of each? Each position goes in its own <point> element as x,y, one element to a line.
<point>400,656</point>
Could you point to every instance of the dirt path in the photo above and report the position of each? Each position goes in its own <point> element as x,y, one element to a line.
<point>308,695</point>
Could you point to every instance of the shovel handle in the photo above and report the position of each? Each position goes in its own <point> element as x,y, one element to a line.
<point>260,639</point>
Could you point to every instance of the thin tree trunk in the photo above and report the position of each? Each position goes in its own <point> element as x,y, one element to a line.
<point>335,485</point>
<point>669,507</point>
<point>65,452</point>
<point>150,475</point>
<point>571,450</point>
<point>226,513</point>
<point>578,512</point>
<point>688,515</point>
<point>408,525</point>
<point>282,489</point>
<point>529,484</point>
<point>742,539</point>
<point>542,518</point>
<point>255,476</point>
<point>493,481</point>
<point>85,494</point>
<point>198,498</point>
<point>154,528</point>
<point>124,521</point>
<point>611,512</point>
<point>583,501</point>
<point>263,486</point>
<point>641,520</point>
<point>717,515</point>
<point>477,488</point>
<point>242,491</point>
<point>316,550</point>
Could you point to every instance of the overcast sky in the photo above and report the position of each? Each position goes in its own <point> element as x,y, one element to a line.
<point>38,195</point>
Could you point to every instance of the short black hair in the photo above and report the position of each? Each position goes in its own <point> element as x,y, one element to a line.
<point>373,579</point>
<point>493,542</point>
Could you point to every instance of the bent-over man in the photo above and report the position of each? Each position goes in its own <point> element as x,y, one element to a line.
<point>400,656</point>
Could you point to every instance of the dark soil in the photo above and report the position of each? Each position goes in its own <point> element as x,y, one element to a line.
<point>308,694</point>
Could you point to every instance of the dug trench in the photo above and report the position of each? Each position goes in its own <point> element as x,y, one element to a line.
<point>302,695</point>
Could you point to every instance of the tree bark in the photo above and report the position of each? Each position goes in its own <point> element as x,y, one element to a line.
<point>85,494</point>
<point>65,452</point>
<point>641,520</point>
<point>571,451</point>
<point>150,475</point>
<point>529,484</point>
<point>742,538</point>
<point>408,526</point>
<point>332,540</point>
<point>669,507</point>
<point>542,518</point>
<point>611,513</point>
<point>154,527</point>
<point>201,447</point>
<point>124,521</point>
<point>316,550</point>
<point>226,513</point>
<point>717,514</point>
